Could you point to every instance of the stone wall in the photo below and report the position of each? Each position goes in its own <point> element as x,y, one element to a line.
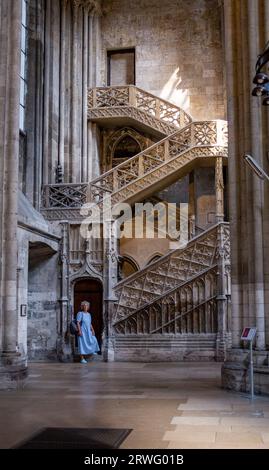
<point>178,50</point>
<point>143,250</point>
<point>43,309</point>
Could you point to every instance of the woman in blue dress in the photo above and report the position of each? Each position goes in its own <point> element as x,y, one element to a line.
<point>87,342</point>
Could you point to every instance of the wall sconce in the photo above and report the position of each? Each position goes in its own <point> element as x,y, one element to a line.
<point>23,311</point>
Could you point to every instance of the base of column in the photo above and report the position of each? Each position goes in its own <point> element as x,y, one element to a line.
<point>235,371</point>
<point>108,350</point>
<point>13,371</point>
<point>64,350</point>
<point>223,344</point>
<point>108,346</point>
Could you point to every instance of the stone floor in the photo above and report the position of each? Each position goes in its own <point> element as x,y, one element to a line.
<point>169,405</point>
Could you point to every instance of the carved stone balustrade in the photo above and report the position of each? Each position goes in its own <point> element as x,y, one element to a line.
<point>150,170</point>
<point>137,104</point>
<point>63,201</point>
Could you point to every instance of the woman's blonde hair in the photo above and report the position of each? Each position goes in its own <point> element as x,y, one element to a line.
<point>85,303</point>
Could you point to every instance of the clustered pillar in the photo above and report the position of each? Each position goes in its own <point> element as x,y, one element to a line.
<point>246,33</point>
<point>12,364</point>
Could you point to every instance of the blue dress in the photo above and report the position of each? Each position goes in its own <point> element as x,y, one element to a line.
<point>87,343</point>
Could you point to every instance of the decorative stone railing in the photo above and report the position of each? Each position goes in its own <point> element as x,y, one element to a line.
<point>172,271</point>
<point>205,139</point>
<point>69,196</point>
<point>190,308</point>
<point>130,101</point>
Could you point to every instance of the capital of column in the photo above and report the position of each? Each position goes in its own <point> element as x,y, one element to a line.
<point>91,6</point>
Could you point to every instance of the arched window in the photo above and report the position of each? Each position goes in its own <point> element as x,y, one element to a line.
<point>128,267</point>
<point>127,147</point>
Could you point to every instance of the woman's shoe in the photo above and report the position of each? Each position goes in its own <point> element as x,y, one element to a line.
<point>83,361</point>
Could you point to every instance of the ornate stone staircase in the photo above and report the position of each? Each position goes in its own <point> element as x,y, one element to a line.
<point>177,307</point>
<point>180,303</point>
<point>170,271</point>
<point>162,163</point>
<point>186,144</point>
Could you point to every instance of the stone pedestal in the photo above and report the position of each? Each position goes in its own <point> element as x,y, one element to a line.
<point>235,371</point>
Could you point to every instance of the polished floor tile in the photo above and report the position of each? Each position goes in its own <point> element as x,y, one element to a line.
<point>171,405</point>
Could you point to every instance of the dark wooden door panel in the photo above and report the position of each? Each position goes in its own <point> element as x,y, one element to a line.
<point>91,291</point>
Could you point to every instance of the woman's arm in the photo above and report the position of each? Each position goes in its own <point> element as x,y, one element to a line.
<point>79,329</point>
<point>93,332</point>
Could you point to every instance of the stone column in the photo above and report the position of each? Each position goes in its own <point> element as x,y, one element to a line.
<point>242,19</point>
<point>13,368</point>
<point>98,42</point>
<point>84,97</point>
<point>110,259</point>
<point>246,22</point>
<point>110,276</point>
<point>34,101</point>
<point>46,99</point>
<point>219,190</point>
<point>22,288</point>
<point>233,128</point>
<point>75,166</point>
<point>62,85</point>
<point>221,298</point>
<point>93,81</point>
<point>256,191</point>
<point>63,345</point>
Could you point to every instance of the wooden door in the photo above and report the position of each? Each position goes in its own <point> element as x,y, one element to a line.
<point>91,290</point>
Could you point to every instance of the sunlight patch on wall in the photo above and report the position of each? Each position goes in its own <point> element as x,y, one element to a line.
<point>172,91</point>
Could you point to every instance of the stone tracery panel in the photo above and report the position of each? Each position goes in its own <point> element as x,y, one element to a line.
<point>170,271</point>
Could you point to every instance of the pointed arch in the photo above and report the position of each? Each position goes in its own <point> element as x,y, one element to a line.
<point>128,266</point>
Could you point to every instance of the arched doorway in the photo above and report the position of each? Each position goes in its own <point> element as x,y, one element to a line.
<point>92,291</point>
